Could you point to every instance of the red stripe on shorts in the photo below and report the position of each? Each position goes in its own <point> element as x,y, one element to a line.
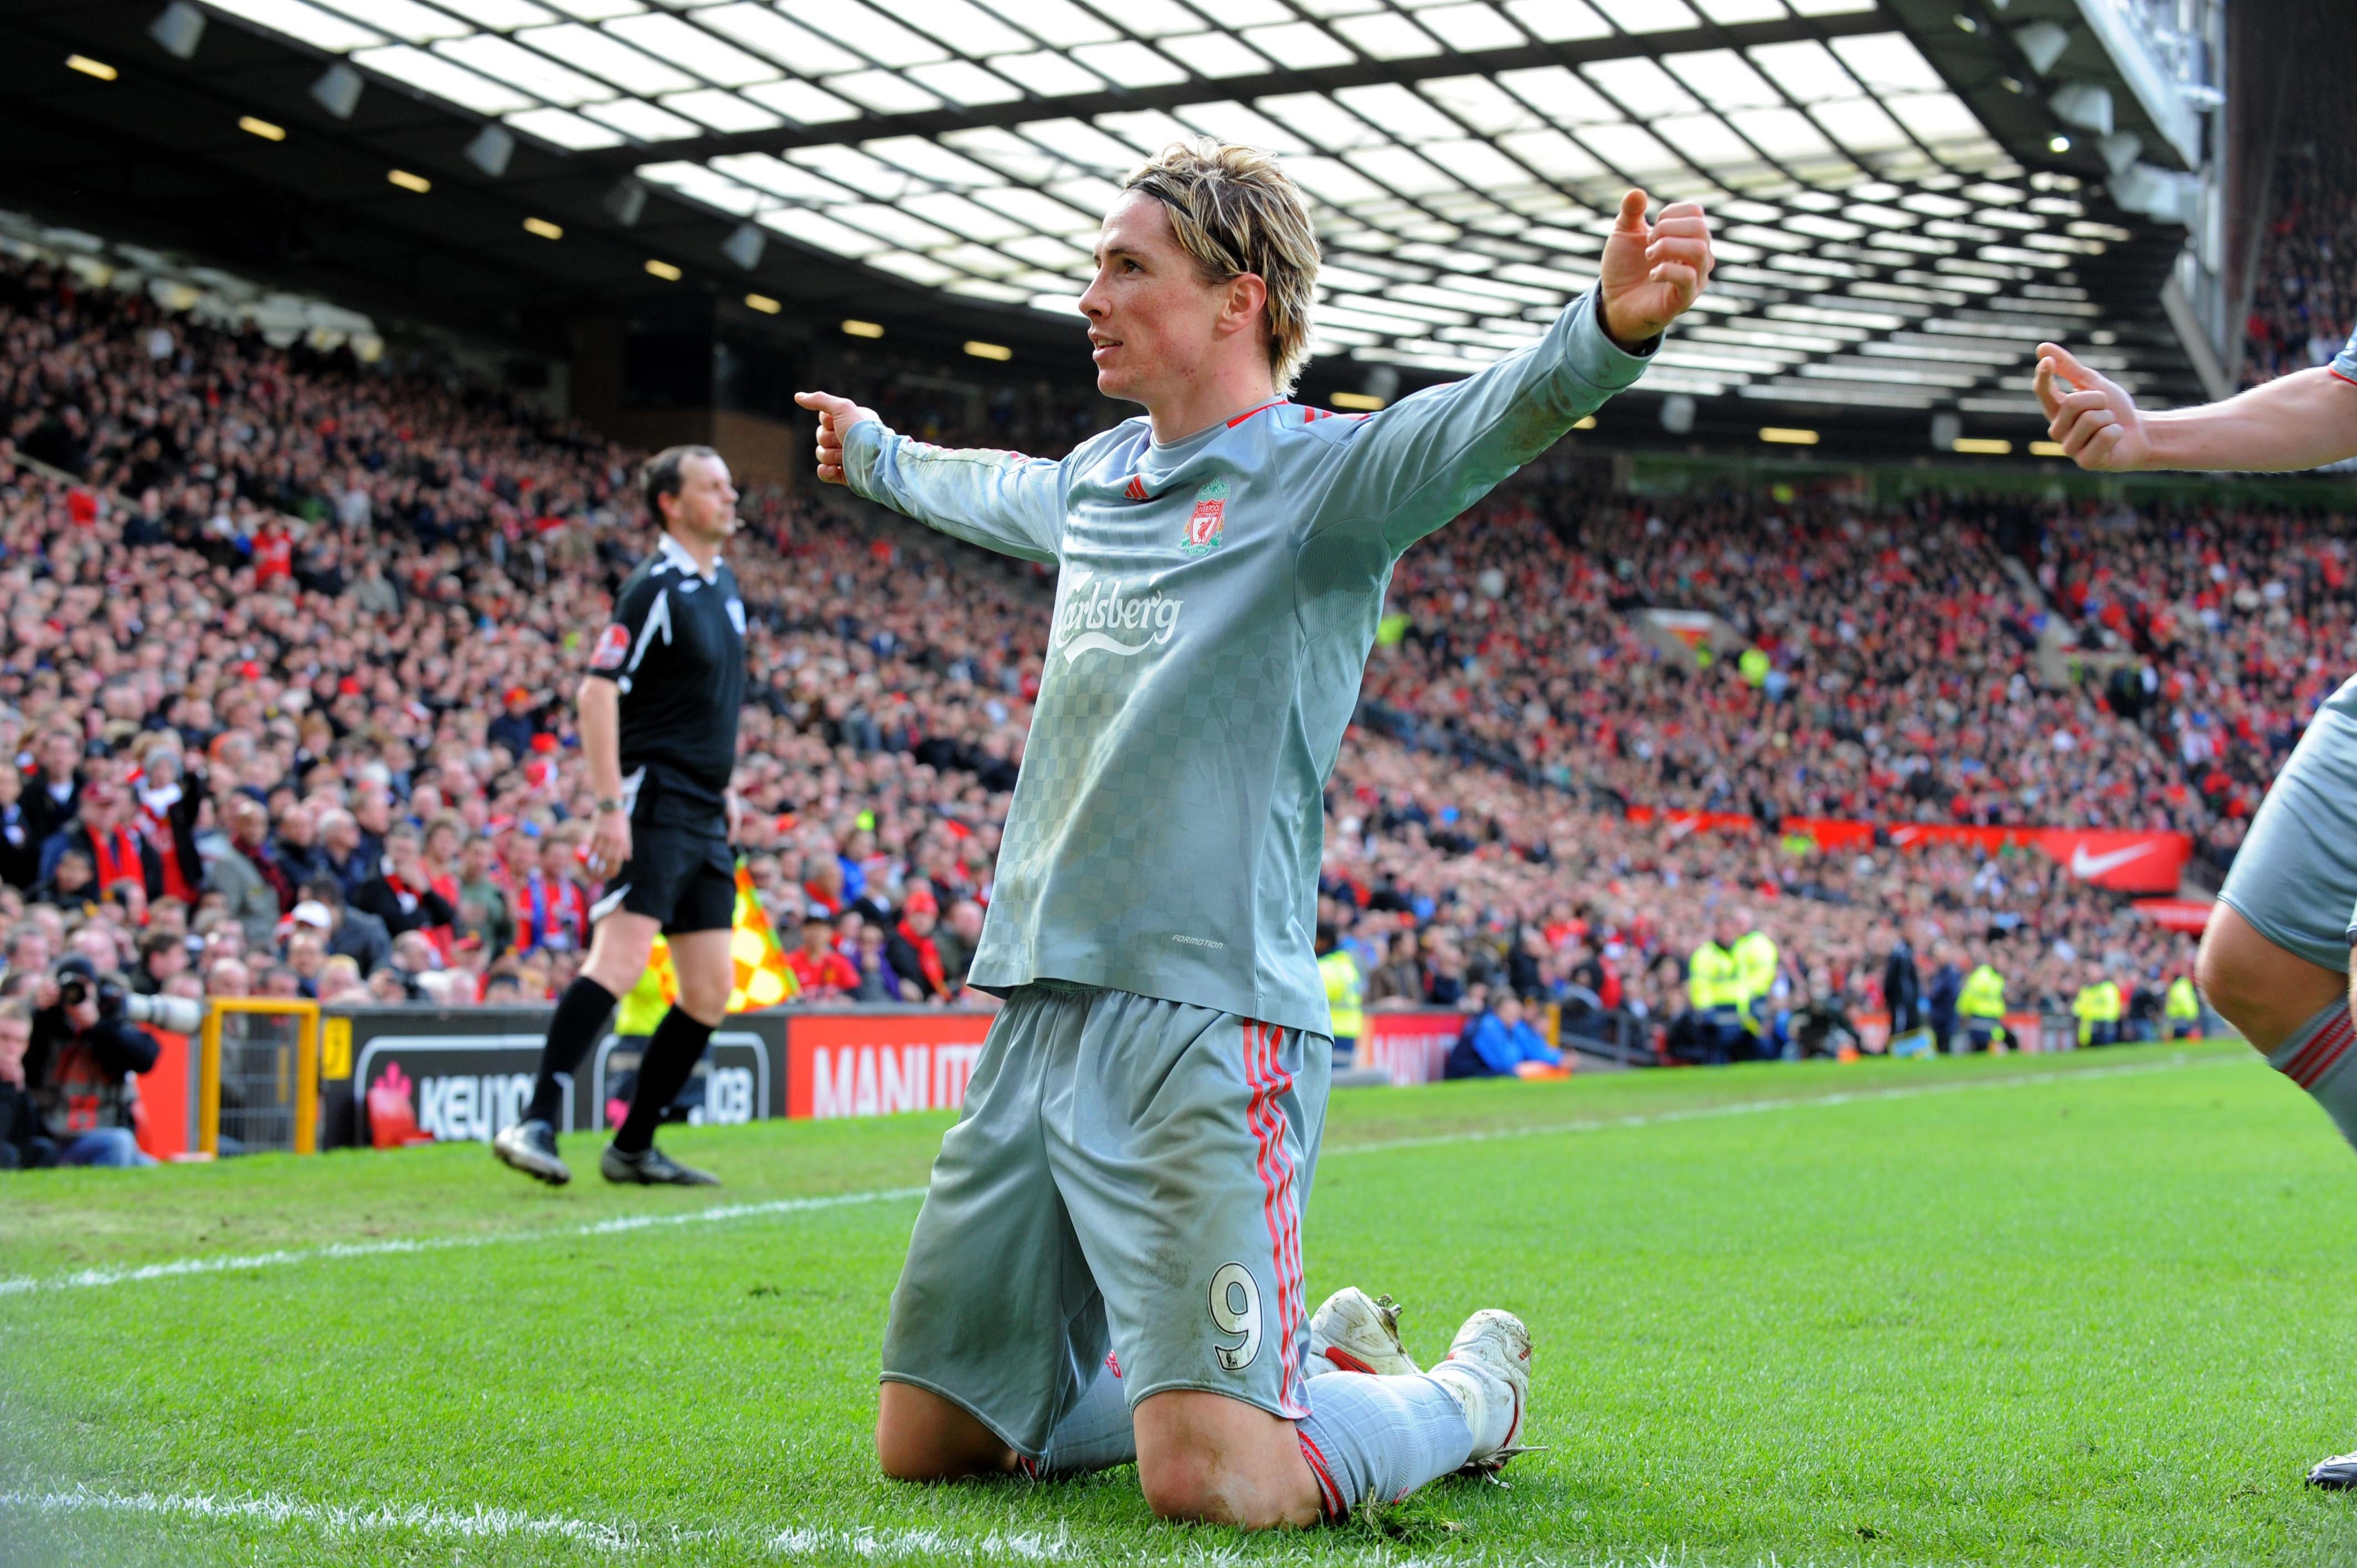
<point>1289,1213</point>
<point>1276,1179</point>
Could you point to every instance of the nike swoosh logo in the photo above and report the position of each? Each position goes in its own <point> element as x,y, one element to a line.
<point>2086,867</point>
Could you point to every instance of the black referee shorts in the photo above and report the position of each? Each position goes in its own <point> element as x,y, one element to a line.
<point>686,881</point>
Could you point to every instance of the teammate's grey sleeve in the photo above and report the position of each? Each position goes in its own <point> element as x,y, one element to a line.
<point>1000,501</point>
<point>1425,460</point>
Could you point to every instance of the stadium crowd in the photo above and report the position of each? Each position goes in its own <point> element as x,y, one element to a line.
<point>2303,293</point>
<point>289,649</point>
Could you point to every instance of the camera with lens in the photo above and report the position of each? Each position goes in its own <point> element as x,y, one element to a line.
<point>77,982</point>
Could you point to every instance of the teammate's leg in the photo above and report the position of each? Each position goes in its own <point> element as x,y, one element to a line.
<point>619,948</point>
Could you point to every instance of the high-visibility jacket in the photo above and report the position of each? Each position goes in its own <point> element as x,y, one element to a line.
<point>1754,665</point>
<point>1755,969</point>
<point>1713,979</point>
<point>2096,1004</point>
<point>2181,1003</point>
<point>1346,992</point>
<point>1984,995</point>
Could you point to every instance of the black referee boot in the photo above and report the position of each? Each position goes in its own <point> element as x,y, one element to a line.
<point>650,1167</point>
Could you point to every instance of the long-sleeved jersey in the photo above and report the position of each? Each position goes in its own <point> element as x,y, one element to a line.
<point>1216,602</point>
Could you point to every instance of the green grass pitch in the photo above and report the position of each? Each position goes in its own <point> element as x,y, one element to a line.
<point>2082,1309</point>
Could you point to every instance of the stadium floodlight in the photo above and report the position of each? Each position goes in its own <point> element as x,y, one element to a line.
<point>489,151</point>
<point>2086,104</point>
<point>1678,413</point>
<point>981,350</point>
<point>2042,43</point>
<point>544,228</point>
<point>92,68</point>
<point>626,201</point>
<point>338,91</point>
<point>417,184</point>
<point>762,302</point>
<point>1784,435</point>
<point>863,330</point>
<point>663,270</point>
<point>744,246</point>
<point>268,131</point>
<point>177,30</point>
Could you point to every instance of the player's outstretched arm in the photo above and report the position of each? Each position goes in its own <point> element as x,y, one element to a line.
<point>1419,463</point>
<point>2302,421</point>
<point>1000,501</point>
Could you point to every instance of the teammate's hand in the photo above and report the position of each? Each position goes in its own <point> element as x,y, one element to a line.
<point>2096,420</point>
<point>837,415</point>
<point>1652,272</point>
<point>609,844</point>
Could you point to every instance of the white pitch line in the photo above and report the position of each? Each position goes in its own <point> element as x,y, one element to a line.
<point>497,1523</point>
<point>181,1268</point>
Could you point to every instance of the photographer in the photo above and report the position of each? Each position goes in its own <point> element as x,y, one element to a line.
<point>84,1048</point>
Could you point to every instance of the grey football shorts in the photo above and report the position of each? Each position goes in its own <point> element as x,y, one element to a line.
<point>2294,878</point>
<point>1124,1189</point>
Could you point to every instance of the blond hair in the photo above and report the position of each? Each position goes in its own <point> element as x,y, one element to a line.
<point>1236,213</point>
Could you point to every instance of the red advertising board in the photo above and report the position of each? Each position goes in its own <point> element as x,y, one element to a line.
<point>167,1093</point>
<point>860,1064</point>
<point>2129,862</point>
<point>1410,1046</point>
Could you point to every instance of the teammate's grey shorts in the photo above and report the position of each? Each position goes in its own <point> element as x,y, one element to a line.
<point>2294,878</point>
<point>1128,1177</point>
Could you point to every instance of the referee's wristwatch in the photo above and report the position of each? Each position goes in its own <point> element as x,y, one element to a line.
<point>608,805</point>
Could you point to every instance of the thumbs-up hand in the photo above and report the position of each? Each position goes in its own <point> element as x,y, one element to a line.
<point>2092,417</point>
<point>1653,272</point>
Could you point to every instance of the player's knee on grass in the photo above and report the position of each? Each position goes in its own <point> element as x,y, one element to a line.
<point>921,1436</point>
<point>2264,991</point>
<point>1205,1458</point>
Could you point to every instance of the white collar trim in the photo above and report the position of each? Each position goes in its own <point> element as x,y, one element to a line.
<point>673,550</point>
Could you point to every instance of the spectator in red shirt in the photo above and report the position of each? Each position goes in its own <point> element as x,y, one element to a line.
<point>912,952</point>
<point>824,973</point>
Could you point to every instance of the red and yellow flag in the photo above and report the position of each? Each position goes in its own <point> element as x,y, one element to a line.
<point>762,978</point>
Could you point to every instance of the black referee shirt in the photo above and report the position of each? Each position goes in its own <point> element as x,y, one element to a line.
<point>676,648</point>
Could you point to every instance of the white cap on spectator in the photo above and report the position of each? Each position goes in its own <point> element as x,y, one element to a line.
<point>311,912</point>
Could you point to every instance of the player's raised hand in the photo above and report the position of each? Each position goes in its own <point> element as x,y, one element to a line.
<point>837,415</point>
<point>1653,272</point>
<point>2093,418</point>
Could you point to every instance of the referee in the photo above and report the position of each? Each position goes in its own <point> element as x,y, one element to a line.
<point>658,708</point>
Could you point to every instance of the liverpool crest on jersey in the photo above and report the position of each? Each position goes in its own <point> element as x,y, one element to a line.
<point>1206,523</point>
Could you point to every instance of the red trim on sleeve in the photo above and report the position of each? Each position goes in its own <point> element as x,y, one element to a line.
<point>1274,402</point>
<point>2336,370</point>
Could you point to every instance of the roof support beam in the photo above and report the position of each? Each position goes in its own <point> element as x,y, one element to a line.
<point>1322,79</point>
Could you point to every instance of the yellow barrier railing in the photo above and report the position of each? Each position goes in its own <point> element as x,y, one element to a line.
<point>301,1096</point>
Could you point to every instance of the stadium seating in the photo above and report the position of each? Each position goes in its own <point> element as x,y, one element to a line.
<point>408,650</point>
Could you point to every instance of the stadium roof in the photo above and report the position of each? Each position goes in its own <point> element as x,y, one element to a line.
<point>1883,243</point>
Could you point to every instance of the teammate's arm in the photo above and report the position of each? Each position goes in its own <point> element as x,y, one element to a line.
<point>2301,421</point>
<point>1419,463</point>
<point>1000,501</point>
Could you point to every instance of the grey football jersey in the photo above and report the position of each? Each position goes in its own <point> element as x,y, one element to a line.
<point>1216,601</point>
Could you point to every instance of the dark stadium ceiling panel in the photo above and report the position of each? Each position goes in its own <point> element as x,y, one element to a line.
<point>1890,235</point>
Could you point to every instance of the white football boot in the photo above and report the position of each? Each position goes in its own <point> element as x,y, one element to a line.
<point>1352,1333</point>
<point>1488,1371</point>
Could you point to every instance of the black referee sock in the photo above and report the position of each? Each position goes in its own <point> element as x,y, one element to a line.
<point>581,1011</point>
<point>673,1051</point>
